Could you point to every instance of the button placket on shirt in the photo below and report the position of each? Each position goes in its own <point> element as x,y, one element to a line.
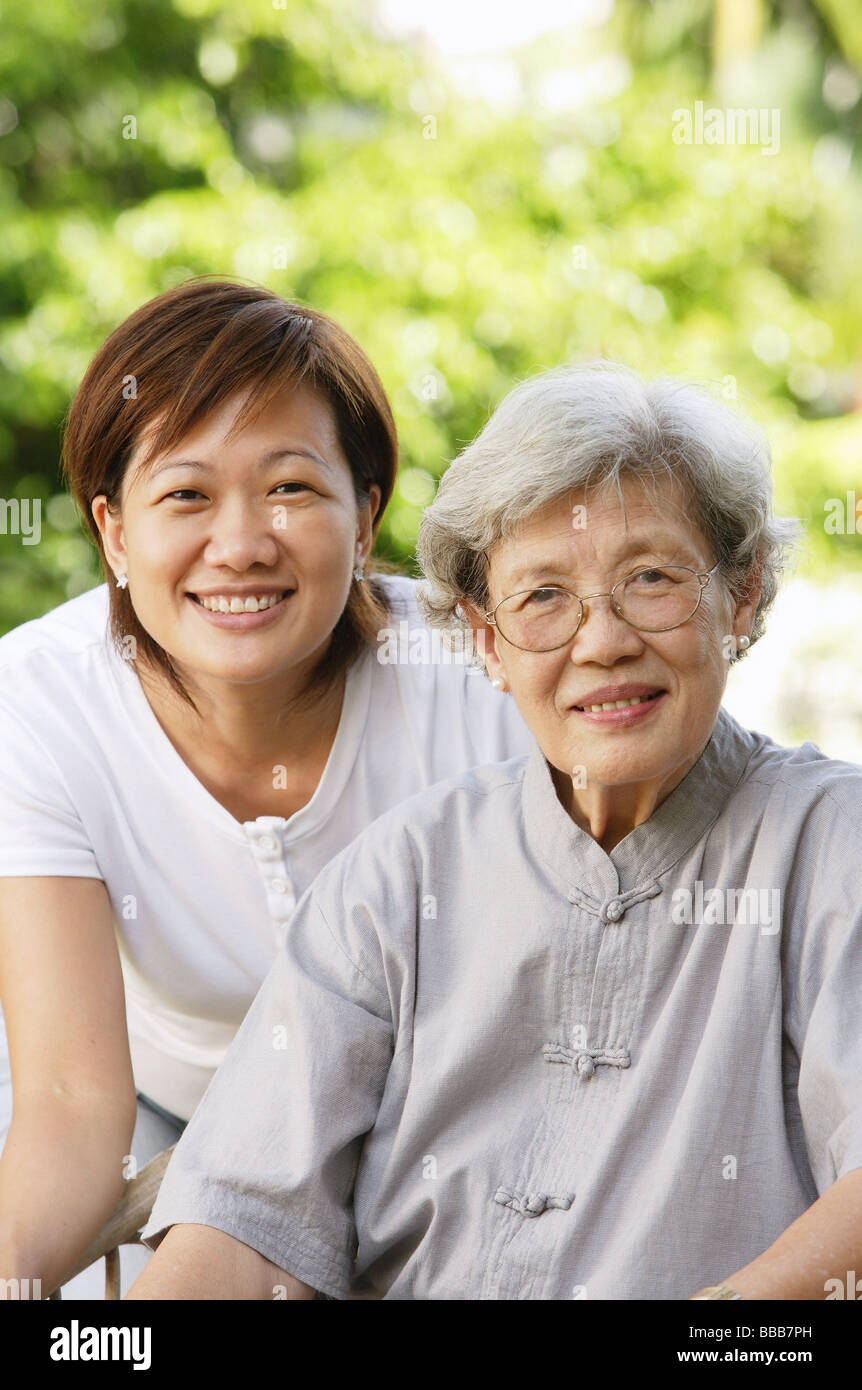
<point>585,1056</point>
<point>591,1039</point>
<point>614,991</point>
<point>267,845</point>
<point>571,1130</point>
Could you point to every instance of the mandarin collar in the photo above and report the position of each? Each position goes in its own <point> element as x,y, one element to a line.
<point>579,862</point>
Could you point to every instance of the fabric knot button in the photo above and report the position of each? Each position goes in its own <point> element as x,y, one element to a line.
<point>533,1203</point>
<point>585,1064</point>
<point>614,911</point>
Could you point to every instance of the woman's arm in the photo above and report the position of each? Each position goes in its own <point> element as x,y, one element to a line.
<point>824,1243</point>
<point>61,1171</point>
<point>201,1262</point>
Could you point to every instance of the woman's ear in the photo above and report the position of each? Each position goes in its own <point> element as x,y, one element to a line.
<point>110,527</point>
<point>365,527</point>
<point>747,607</point>
<point>485,637</point>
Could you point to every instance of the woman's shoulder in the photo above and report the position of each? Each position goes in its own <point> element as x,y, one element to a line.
<point>832,787</point>
<point>400,592</point>
<point>437,824</point>
<point>72,627</point>
<point>54,670</point>
<point>440,688</point>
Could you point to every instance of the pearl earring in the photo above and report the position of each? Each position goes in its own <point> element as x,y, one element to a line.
<point>742,643</point>
<point>122,581</point>
<point>498,684</point>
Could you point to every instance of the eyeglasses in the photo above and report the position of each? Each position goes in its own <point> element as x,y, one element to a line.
<point>651,600</point>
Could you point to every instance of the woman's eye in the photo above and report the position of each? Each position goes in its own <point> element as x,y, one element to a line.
<point>188,494</point>
<point>653,576</point>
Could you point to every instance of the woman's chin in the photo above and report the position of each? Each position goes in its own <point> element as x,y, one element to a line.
<point>607,767</point>
<point>196,668</point>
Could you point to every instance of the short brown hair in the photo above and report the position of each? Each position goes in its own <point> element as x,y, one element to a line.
<point>187,351</point>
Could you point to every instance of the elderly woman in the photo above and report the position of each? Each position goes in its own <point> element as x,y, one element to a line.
<point>185,748</point>
<point>585,1023</point>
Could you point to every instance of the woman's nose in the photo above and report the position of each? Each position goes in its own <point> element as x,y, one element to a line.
<point>603,635</point>
<point>240,537</point>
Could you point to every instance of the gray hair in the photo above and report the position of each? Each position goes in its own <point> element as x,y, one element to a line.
<point>588,425</point>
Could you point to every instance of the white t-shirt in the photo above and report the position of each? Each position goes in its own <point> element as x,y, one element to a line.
<point>92,787</point>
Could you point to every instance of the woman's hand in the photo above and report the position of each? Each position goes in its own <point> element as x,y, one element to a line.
<point>61,1170</point>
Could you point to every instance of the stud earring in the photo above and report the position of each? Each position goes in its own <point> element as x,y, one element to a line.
<point>358,575</point>
<point>122,581</point>
<point>742,643</point>
<point>498,684</point>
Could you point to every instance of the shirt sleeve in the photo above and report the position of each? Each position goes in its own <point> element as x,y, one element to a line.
<point>825,1021</point>
<point>270,1155</point>
<point>41,832</point>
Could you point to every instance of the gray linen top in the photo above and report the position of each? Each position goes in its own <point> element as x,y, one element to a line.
<point>501,1060</point>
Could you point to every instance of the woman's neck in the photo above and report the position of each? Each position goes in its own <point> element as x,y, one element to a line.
<point>245,732</point>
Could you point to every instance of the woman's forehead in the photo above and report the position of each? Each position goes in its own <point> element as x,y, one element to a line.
<point>579,523</point>
<point>299,411</point>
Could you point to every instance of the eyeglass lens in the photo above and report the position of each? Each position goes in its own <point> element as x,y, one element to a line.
<point>651,599</point>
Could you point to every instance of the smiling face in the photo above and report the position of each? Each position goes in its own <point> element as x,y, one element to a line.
<point>654,743</point>
<point>268,515</point>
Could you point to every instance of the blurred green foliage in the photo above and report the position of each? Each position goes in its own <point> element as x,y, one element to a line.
<point>468,228</point>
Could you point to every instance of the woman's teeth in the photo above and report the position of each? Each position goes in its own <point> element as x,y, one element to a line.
<point>218,603</point>
<point>620,704</point>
